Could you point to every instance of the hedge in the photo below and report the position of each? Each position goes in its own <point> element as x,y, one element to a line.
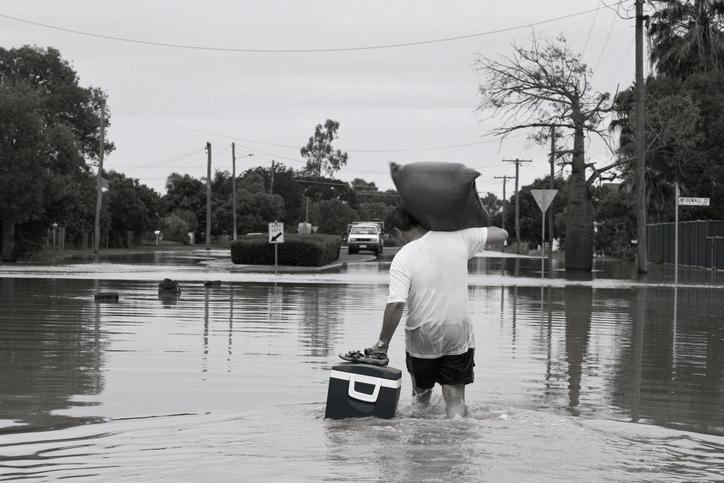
<point>297,250</point>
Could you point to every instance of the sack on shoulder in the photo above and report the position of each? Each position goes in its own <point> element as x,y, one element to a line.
<point>441,196</point>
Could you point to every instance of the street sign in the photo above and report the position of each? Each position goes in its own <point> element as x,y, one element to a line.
<point>276,232</point>
<point>694,201</point>
<point>544,198</point>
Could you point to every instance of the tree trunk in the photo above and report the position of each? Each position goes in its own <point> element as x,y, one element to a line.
<point>9,253</point>
<point>579,220</point>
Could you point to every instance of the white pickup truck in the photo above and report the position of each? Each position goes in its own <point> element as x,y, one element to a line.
<point>365,236</point>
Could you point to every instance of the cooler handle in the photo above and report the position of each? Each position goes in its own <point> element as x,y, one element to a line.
<point>373,381</point>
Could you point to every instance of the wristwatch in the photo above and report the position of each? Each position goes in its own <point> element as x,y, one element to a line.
<point>380,344</point>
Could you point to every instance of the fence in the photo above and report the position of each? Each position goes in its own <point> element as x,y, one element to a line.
<point>701,243</point>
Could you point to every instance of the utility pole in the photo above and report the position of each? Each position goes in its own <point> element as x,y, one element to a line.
<point>271,190</point>
<point>233,185</point>
<point>640,147</point>
<point>517,201</point>
<point>208,196</point>
<point>552,186</point>
<point>99,184</point>
<point>504,178</point>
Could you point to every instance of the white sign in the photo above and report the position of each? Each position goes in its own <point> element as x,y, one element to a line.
<point>544,198</point>
<point>694,201</point>
<point>276,232</point>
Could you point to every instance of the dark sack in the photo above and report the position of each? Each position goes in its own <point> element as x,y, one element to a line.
<point>441,196</point>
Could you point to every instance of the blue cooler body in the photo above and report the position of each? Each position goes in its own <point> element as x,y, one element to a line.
<point>360,390</point>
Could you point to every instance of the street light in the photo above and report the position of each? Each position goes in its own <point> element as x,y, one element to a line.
<point>233,182</point>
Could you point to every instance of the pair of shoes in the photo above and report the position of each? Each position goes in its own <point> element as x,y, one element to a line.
<point>377,358</point>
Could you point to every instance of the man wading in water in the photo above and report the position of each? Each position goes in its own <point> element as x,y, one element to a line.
<point>429,274</point>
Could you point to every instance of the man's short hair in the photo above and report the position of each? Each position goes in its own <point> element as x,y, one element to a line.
<point>399,218</point>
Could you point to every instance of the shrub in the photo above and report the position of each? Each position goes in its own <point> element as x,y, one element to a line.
<point>297,250</point>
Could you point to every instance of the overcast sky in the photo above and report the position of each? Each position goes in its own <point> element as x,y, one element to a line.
<point>397,75</point>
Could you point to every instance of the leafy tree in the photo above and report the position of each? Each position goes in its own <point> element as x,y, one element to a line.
<point>221,185</point>
<point>324,189</point>
<point>374,211</point>
<point>49,127</point>
<point>175,228</point>
<point>255,207</point>
<point>686,37</point>
<point>530,220</point>
<point>133,208</point>
<point>684,120</point>
<point>332,217</point>
<point>673,124</point>
<point>544,87</point>
<point>187,194</point>
<point>286,186</point>
<point>615,223</point>
<point>494,207</point>
<point>322,158</point>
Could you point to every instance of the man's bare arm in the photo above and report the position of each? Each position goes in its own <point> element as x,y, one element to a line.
<point>496,236</point>
<point>390,321</point>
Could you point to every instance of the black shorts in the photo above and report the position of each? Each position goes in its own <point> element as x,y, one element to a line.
<point>447,370</point>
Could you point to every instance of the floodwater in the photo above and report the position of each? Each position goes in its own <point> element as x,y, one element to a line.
<point>579,377</point>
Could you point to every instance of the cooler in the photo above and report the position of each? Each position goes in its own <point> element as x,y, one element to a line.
<point>359,390</point>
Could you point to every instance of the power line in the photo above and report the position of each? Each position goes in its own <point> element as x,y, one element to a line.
<point>299,51</point>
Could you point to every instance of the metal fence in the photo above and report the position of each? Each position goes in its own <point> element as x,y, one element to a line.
<point>701,243</point>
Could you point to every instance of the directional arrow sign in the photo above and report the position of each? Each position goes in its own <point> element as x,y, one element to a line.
<point>276,232</point>
<point>544,198</point>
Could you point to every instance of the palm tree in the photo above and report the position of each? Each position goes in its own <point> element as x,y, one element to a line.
<point>687,37</point>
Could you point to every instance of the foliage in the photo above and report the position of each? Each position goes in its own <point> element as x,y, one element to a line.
<point>133,208</point>
<point>297,250</point>
<point>255,208</point>
<point>323,189</point>
<point>684,120</point>
<point>615,225</point>
<point>332,217</point>
<point>322,158</point>
<point>282,182</point>
<point>374,211</point>
<point>49,127</point>
<point>175,228</point>
<point>530,219</point>
<point>545,87</point>
<point>686,37</point>
<point>187,194</point>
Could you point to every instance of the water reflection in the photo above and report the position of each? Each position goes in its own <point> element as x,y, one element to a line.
<point>549,354</point>
<point>51,353</point>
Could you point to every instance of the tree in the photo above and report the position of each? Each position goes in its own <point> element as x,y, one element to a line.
<point>255,207</point>
<point>494,207</point>
<point>332,217</point>
<point>530,214</point>
<point>687,37</point>
<point>548,86</point>
<point>615,223</point>
<point>286,186</point>
<point>133,209</point>
<point>322,158</point>
<point>49,128</point>
<point>188,195</point>
<point>673,130</point>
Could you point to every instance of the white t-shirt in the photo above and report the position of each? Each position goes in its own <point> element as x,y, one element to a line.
<point>430,275</point>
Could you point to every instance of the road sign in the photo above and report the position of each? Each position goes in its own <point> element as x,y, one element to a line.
<point>544,198</point>
<point>694,201</point>
<point>276,232</point>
